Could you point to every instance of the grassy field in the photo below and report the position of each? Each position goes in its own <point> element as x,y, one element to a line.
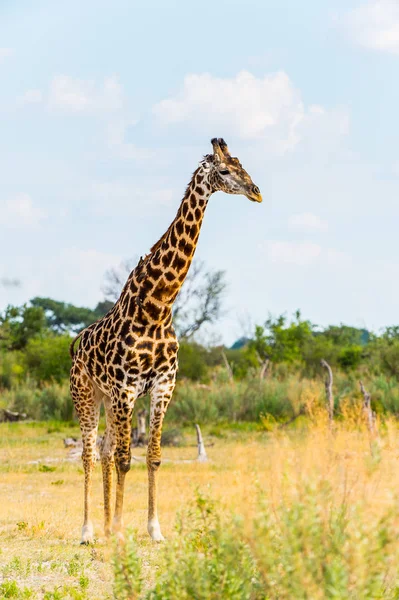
<point>315,514</point>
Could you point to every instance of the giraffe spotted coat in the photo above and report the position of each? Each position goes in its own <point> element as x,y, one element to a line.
<point>133,349</point>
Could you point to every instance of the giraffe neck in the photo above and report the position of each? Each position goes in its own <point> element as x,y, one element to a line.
<point>157,279</point>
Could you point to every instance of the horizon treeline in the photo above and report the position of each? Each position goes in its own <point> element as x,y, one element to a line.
<point>35,337</point>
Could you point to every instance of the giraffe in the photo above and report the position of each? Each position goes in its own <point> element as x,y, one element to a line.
<point>132,350</point>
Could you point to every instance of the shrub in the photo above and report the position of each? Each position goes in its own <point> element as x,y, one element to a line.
<point>47,359</point>
<point>313,547</point>
<point>52,401</point>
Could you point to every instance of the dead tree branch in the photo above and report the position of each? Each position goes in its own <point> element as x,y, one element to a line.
<point>263,366</point>
<point>202,457</point>
<point>329,391</point>
<point>368,411</point>
<point>8,416</point>
<point>227,365</point>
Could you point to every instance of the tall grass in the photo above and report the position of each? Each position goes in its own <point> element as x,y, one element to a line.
<point>313,549</point>
<point>320,521</point>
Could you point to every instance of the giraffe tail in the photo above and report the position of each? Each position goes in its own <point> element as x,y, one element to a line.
<point>72,344</point>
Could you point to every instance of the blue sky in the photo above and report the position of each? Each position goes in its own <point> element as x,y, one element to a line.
<point>106,109</point>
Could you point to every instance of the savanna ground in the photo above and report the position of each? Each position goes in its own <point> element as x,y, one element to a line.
<point>296,512</point>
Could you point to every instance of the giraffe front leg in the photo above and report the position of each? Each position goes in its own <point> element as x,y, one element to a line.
<point>160,398</point>
<point>122,412</point>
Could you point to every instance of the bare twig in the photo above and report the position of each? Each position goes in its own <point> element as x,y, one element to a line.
<point>329,391</point>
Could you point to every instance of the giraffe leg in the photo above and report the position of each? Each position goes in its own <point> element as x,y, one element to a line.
<point>160,398</point>
<point>87,406</point>
<point>107,463</point>
<point>123,425</point>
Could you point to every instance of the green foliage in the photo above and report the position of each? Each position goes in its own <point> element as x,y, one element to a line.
<point>51,401</point>
<point>48,358</point>
<point>61,317</point>
<point>310,547</point>
<point>205,560</point>
<point>192,361</point>
<point>316,548</point>
<point>279,340</point>
<point>242,361</point>
<point>243,400</point>
<point>19,324</point>
<point>128,579</point>
<point>350,357</point>
<point>12,369</point>
<point>10,589</point>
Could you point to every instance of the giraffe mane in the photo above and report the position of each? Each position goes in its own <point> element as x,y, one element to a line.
<point>158,244</point>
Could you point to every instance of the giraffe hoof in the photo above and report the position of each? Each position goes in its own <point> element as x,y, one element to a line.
<point>87,535</point>
<point>154,530</point>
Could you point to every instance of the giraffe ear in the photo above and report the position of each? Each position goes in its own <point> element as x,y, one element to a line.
<point>217,151</point>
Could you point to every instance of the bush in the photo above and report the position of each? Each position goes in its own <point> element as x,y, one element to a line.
<point>242,400</point>
<point>313,547</point>
<point>47,359</point>
<point>205,561</point>
<point>12,369</point>
<point>52,401</point>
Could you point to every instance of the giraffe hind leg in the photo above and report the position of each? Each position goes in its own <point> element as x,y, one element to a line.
<point>107,463</point>
<point>87,404</point>
<point>160,398</point>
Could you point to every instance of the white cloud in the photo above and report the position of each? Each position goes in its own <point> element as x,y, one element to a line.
<point>375,25</point>
<point>68,94</point>
<point>295,253</point>
<point>307,222</point>
<point>31,97</point>
<point>270,109</point>
<point>105,100</point>
<point>304,254</point>
<point>5,53</point>
<point>20,212</point>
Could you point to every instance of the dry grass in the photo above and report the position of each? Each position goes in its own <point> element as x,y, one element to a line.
<point>41,506</point>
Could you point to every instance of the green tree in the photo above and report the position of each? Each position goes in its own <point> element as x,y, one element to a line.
<point>62,317</point>
<point>280,340</point>
<point>47,358</point>
<point>19,324</point>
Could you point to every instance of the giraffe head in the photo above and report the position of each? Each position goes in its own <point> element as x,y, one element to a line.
<point>227,174</point>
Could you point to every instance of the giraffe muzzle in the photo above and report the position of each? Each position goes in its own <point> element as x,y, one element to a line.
<point>255,195</point>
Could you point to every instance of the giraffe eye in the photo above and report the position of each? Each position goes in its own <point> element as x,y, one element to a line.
<point>225,172</point>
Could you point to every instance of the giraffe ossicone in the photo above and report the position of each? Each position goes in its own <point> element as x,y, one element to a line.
<point>133,349</point>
